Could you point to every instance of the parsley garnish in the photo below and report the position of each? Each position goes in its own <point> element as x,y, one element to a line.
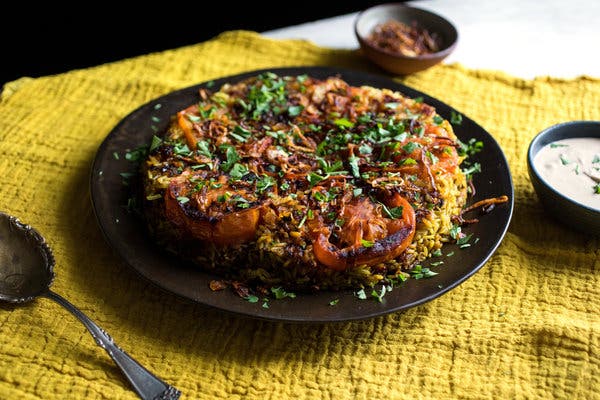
<point>280,293</point>
<point>264,183</point>
<point>294,111</point>
<point>314,178</point>
<point>238,171</point>
<point>182,149</point>
<point>231,157</point>
<point>408,161</point>
<point>470,148</point>
<point>431,156</point>
<point>268,96</point>
<point>240,134</point>
<point>456,118</point>
<point>353,160</point>
<point>156,142</point>
<point>136,154</point>
<point>379,295</point>
<point>455,231</point>
<point>204,148</point>
<point>365,149</point>
<point>344,122</point>
<point>410,147</point>
<point>366,243</point>
<point>251,298</point>
<point>463,240</point>
<point>419,272</point>
<point>476,167</point>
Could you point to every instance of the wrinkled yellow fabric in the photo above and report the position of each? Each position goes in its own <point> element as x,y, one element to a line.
<point>526,326</point>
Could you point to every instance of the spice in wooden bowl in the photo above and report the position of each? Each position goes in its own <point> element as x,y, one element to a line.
<point>408,40</point>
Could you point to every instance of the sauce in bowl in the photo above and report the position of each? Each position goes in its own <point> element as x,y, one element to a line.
<point>572,167</point>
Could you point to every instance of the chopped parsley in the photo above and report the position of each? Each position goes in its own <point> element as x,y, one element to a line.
<point>353,160</point>
<point>240,134</point>
<point>420,272</point>
<point>410,147</point>
<point>408,161</point>
<point>238,171</point>
<point>156,142</point>
<point>251,298</point>
<point>378,295</point>
<point>392,213</point>
<point>136,154</point>
<point>472,169</point>
<point>231,157</point>
<point>456,118</point>
<point>264,182</point>
<point>268,95</point>
<point>472,147</point>
<point>455,232</point>
<point>182,149</point>
<point>366,243</point>
<point>204,148</point>
<point>344,122</point>
<point>294,111</point>
<point>280,293</point>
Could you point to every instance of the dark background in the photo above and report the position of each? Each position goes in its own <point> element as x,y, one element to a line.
<point>47,39</point>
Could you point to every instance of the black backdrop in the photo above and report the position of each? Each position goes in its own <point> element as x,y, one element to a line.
<point>51,38</point>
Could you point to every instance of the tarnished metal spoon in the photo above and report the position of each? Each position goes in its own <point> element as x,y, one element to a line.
<point>27,271</point>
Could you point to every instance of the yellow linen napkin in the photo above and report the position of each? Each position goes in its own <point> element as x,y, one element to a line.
<point>527,325</point>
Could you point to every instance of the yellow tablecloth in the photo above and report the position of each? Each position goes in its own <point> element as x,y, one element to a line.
<point>527,325</point>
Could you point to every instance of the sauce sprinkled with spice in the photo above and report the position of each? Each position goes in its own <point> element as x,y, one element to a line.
<point>572,167</point>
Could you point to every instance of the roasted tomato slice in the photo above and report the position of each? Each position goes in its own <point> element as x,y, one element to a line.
<point>368,237</point>
<point>227,228</point>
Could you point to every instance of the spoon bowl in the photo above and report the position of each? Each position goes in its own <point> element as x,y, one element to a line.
<point>26,262</point>
<point>27,272</point>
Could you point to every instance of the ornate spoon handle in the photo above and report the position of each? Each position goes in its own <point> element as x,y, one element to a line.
<point>146,385</point>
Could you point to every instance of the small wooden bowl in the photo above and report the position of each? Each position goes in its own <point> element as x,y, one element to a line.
<point>394,62</point>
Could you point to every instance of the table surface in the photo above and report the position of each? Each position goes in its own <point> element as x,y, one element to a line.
<point>523,38</point>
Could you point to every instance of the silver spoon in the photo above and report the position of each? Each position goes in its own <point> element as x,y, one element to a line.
<point>27,271</point>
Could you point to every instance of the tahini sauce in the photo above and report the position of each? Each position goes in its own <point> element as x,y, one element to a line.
<point>572,167</point>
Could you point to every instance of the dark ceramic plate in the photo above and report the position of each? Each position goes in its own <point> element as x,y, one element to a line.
<point>126,234</point>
